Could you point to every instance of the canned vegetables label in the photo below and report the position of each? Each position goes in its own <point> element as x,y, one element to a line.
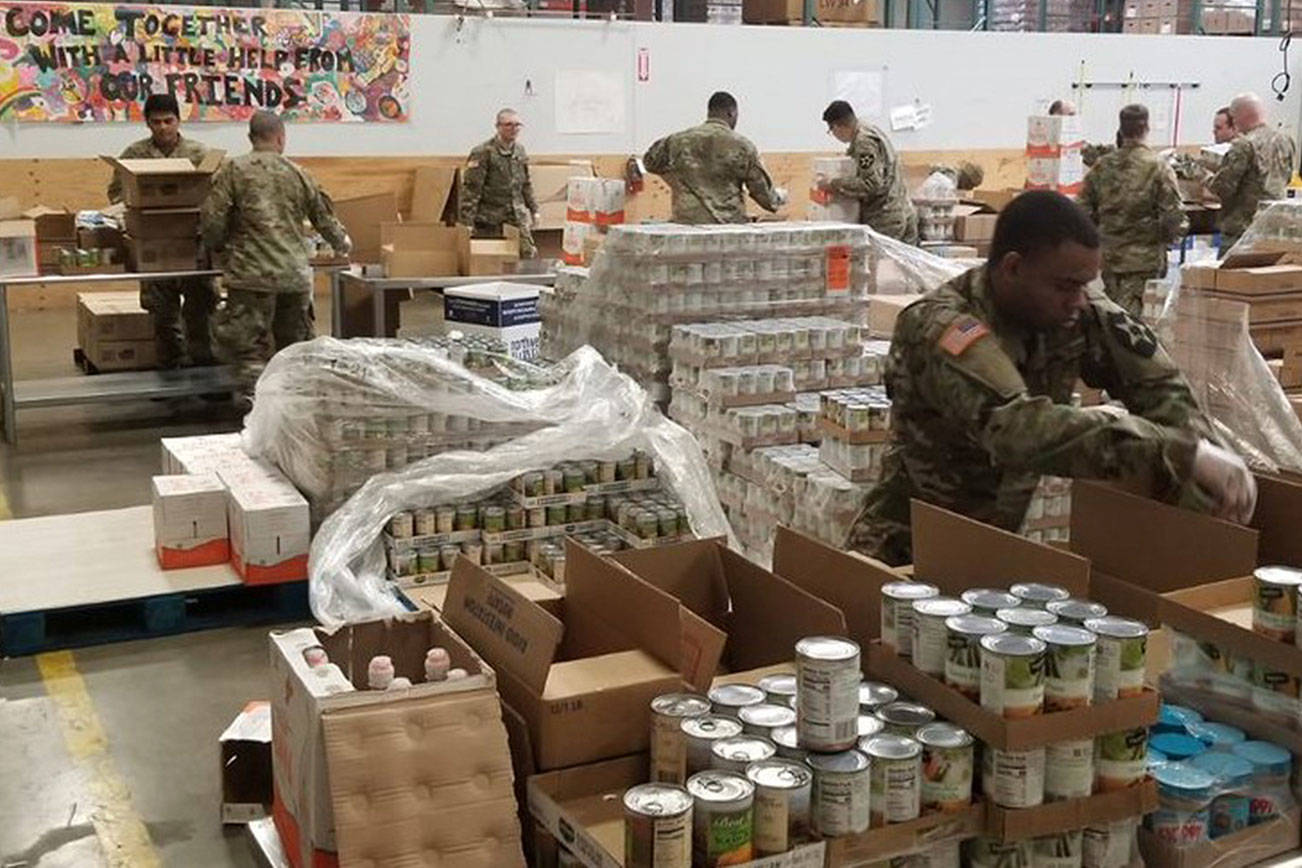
<point>1069,677</point>
<point>963,665</point>
<point>841,803</point>
<point>1012,686</point>
<point>1120,667</point>
<point>1014,779</point>
<point>668,750</point>
<point>896,790</point>
<point>1274,611</point>
<point>828,695</point>
<point>723,837</point>
<point>1120,759</point>
<point>1069,770</point>
<point>946,778</point>
<point>658,842</point>
<point>781,819</point>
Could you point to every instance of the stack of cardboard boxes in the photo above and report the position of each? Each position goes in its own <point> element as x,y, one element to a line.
<point>837,13</point>
<point>507,312</point>
<point>593,205</point>
<point>1156,17</point>
<point>1239,17</point>
<point>18,255</point>
<point>162,209</point>
<point>56,232</point>
<point>114,332</point>
<point>1053,153</point>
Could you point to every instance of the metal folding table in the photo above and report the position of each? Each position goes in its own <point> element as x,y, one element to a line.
<point>380,288</point>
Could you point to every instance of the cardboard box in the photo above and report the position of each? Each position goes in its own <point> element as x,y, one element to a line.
<point>1019,824</point>
<point>112,316</point>
<point>269,525</point>
<point>1280,307</point>
<point>574,242</point>
<point>190,521</point>
<point>505,311</point>
<point>974,226</point>
<point>883,310</point>
<point>996,200</point>
<point>100,237</point>
<point>599,201</point>
<point>551,186</point>
<point>1290,374</point>
<point>425,249</point>
<point>1246,847</point>
<point>490,256</point>
<point>434,195</point>
<point>583,809</point>
<point>956,553</point>
<point>18,248</point>
<point>1064,172</point>
<point>246,764</point>
<point>53,224</point>
<point>162,254</point>
<point>1048,135</point>
<point>158,223</point>
<point>581,676</point>
<point>863,12</point>
<point>363,217</point>
<point>136,355</point>
<point>172,182</point>
<point>417,776</point>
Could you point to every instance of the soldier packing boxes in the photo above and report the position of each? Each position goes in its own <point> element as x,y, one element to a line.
<point>163,198</point>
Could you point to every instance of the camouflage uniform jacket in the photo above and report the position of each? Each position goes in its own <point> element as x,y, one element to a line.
<point>495,186</point>
<point>982,407</point>
<point>1132,196</point>
<point>1257,168</point>
<point>706,167</point>
<point>879,185</point>
<point>145,149</point>
<point>254,216</point>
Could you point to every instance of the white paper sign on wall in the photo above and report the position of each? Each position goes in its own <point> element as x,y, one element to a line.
<point>863,89</point>
<point>589,101</point>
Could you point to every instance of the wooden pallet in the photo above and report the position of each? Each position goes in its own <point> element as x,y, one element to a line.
<point>147,617</point>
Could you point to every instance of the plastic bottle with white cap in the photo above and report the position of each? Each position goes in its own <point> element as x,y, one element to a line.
<point>437,664</point>
<point>379,673</point>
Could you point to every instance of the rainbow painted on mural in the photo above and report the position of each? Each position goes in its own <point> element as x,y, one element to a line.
<point>93,62</point>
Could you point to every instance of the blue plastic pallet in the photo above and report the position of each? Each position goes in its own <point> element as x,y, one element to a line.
<point>146,617</point>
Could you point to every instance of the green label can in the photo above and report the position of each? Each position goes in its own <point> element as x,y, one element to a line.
<point>722,819</point>
<point>1120,759</point>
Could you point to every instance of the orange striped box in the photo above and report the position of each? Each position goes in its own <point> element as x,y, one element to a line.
<point>190,521</point>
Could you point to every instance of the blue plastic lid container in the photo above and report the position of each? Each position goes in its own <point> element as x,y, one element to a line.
<point>1268,759</point>
<point>1177,746</point>
<point>1217,736</point>
<point>1231,772</point>
<point>1156,758</point>
<point>1175,718</point>
<point>1184,784</point>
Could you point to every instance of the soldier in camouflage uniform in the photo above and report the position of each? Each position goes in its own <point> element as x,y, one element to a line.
<point>707,166</point>
<point>878,183</point>
<point>1257,168</point>
<point>495,186</point>
<point>254,217</point>
<point>188,300</point>
<point>981,373</point>
<point>1132,196</point>
<point>966,175</point>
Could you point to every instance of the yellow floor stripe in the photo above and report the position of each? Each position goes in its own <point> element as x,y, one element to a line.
<point>122,834</point>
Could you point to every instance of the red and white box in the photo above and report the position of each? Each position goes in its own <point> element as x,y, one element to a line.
<point>190,521</point>
<point>1048,135</point>
<point>270,525</point>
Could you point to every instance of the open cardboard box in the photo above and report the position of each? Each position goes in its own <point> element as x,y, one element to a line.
<point>363,217</point>
<point>412,776</point>
<point>1245,847</point>
<point>955,554</point>
<point>551,188</point>
<point>421,249</point>
<point>173,182</point>
<point>490,256</point>
<point>582,671</point>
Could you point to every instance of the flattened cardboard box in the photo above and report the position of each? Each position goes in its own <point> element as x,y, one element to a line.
<point>419,776</point>
<point>582,678</point>
<point>956,553</point>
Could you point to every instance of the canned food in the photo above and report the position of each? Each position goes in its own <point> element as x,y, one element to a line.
<point>1076,612</point>
<point>1068,666</point>
<point>1275,693</point>
<point>896,778</point>
<point>1274,602</point>
<point>1012,675</point>
<point>897,613</point>
<point>1069,770</point>
<point>467,517</point>
<point>963,658</point>
<point>947,767</point>
<point>765,717</point>
<point>648,525</point>
<point>473,551</point>
<point>1024,619</point>
<point>870,725</point>
<point>943,855</point>
<point>1038,595</point>
<point>573,480</point>
<point>513,551</point>
<point>430,560</point>
<point>606,471</point>
<point>1120,759</point>
<point>827,678</point>
<point>728,699</point>
<point>995,853</point>
<point>557,514</point>
<point>1013,778</point>
<point>782,800</point>
<point>594,507</point>
<point>1060,850</point>
<point>576,512</point>
<point>722,818</point>
<point>905,718</point>
<point>537,517</point>
<point>625,468</point>
<point>424,522</point>
<point>401,525</point>
<point>448,555</point>
<point>779,688</point>
<point>515,517</point>
<point>533,484</point>
<point>701,733</point>
<point>494,553</point>
<point>445,519</point>
<point>873,695</point>
<point>494,519</point>
<point>736,753</point>
<point>988,601</point>
<point>930,639</point>
<point>668,741</point>
<point>787,742</point>
<point>841,793</point>
<point>1120,657</point>
<point>405,562</point>
<point>657,826</point>
<point>554,481</point>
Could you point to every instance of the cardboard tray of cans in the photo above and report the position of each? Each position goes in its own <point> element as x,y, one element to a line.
<point>597,489</point>
<point>1017,824</point>
<point>857,438</point>
<point>441,577</point>
<point>1246,847</point>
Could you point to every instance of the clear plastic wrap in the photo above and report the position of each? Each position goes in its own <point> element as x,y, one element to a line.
<point>1208,337</point>
<point>590,411</point>
<point>1276,228</point>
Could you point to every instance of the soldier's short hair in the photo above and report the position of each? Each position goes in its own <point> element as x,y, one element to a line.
<point>1229,115</point>
<point>1055,107</point>
<point>505,113</point>
<point>161,104</point>
<point>838,111</point>
<point>1040,220</point>
<point>264,125</point>
<point>1132,121</point>
<point>720,102</point>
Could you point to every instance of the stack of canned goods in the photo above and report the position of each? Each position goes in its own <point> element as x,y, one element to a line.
<point>815,754</point>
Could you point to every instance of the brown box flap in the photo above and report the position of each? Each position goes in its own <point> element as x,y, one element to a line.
<point>1278,521</point>
<point>362,216</point>
<point>1194,611</point>
<point>956,553</point>
<point>848,581</point>
<point>1153,545</point>
<point>504,627</point>
<point>431,192</point>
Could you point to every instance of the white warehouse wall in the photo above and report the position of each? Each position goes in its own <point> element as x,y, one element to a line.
<point>980,86</point>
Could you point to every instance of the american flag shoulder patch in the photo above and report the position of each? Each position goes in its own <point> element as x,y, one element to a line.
<point>962,334</point>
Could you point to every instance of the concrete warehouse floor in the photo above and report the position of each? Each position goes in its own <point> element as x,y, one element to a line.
<point>111,751</point>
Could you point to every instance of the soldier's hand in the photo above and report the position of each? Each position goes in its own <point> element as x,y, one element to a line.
<point>1228,479</point>
<point>536,217</point>
<point>780,196</point>
<point>347,247</point>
